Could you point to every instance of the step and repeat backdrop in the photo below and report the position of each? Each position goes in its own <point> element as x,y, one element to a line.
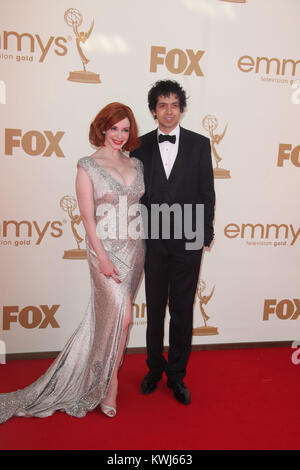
<point>240,66</point>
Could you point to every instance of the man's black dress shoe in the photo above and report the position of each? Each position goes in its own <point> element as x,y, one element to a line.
<point>181,392</point>
<point>149,384</point>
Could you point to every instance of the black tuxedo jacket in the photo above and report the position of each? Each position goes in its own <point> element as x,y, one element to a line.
<point>191,180</point>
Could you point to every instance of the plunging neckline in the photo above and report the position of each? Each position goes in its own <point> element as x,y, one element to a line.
<point>114,179</point>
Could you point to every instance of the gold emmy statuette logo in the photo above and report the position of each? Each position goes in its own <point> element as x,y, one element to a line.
<point>74,19</point>
<point>203,300</point>
<point>210,123</point>
<point>69,204</point>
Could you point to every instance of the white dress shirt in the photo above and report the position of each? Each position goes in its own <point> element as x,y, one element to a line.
<point>168,151</point>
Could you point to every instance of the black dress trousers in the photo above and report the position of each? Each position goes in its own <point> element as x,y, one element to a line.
<point>171,276</point>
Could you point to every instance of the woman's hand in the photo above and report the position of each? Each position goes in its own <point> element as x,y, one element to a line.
<point>108,269</point>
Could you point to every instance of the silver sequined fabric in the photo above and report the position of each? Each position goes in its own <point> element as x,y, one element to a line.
<point>77,381</point>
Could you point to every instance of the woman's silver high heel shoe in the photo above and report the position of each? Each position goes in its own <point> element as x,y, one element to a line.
<point>109,411</point>
<point>111,396</point>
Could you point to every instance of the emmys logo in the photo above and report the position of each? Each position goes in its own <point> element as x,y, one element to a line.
<point>263,232</point>
<point>210,123</point>
<point>34,142</point>
<point>203,301</point>
<point>33,42</point>
<point>176,60</point>
<point>30,317</point>
<point>286,152</point>
<point>28,230</point>
<point>282,67</point>
<point>74,19</point>
<point>2,92</point>
<point>285,309</point>
<point>69,204</point>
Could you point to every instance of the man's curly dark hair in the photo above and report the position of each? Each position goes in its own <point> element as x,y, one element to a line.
<point>165,88</point>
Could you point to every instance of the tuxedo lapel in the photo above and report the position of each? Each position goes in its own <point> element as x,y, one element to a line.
<point>148,159</point>
<point>153,157</point>
<point>182,159</point>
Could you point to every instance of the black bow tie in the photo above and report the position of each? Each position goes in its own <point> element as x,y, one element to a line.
<point>170,138</point>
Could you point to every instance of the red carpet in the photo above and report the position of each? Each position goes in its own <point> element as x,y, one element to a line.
<point>241,399</point>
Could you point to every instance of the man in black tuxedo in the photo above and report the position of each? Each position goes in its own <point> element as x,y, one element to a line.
<point>177,170</point>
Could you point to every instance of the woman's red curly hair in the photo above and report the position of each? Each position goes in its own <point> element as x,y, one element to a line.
<point>106,118</point>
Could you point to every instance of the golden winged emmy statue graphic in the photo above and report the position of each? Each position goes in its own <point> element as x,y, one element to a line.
<point>203,300</point>
<point>74,19</point>
<point>210,123</point>
<point>69,204</point>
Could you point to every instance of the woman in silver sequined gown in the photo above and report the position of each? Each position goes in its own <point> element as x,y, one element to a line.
<point>84,375</point>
